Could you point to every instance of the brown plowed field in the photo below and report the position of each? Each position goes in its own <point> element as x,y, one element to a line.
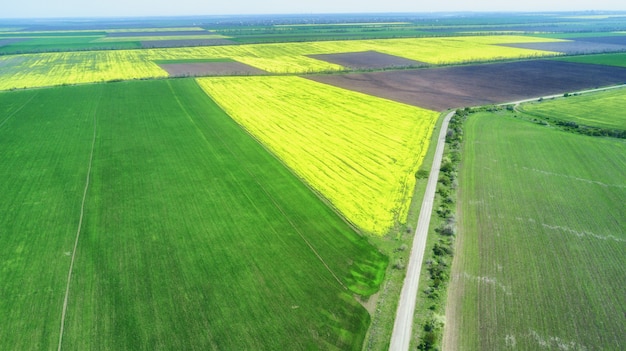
<point>453,87</point>
<point>184,42</point>
<point>572,47</point>
<point>210,69</point>
<point>367,60</point>
<point>616,39</point>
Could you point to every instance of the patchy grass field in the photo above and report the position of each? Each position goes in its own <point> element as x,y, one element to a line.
<point>601,109</point>
<point>48,69</point>
<point>540,261</point>
<point>193,237</point>
<point>360,152</point>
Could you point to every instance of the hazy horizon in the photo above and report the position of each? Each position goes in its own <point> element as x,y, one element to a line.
<point>166,8</point>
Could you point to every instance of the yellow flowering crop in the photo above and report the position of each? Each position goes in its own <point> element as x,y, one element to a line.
<point>46,69</point>
<point>360,152</point>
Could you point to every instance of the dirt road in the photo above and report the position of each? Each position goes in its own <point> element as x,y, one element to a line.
<point>401,335</point>
<point>402,328</point>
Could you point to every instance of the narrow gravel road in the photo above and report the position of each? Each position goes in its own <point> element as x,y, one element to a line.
<point>401,335</point>
<point>403,325</point>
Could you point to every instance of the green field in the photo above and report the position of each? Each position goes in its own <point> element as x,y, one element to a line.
<point>276,213</point>
<point>318,32</point>
<point>62,42</point>
<point>193,236</point>
<point>540,258</point>
<point>618,59</point>
<point>601,109</point>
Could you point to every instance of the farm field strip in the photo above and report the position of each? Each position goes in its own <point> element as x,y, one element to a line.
<point>68,37</point>
<point>599,109</point>
<point>359,152</point>
<point>158,38</point>
<point>616,59</point>
<point>9,31</point>
<point>48,69</point>
<point>239,239</point>
<point>43,171</point>
<point>541,230</point>
<point>157,29</point>
<point>79,227</point>
<point>474,85</point>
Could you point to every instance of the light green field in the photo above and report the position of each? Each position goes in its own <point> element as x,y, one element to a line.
<point>49,69</point>
<point>539,262</point>
<point>618,59</point>
<point>43,171</point>
<point>193,236</point>
<point>601,109</point>
<point>360,152</point>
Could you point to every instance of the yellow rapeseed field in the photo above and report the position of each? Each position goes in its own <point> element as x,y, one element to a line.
<point>360,152</point>
<point>47,69</point>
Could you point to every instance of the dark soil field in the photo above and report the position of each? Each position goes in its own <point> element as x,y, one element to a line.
<point>4,42</point>
<point>616,40</point>
<point>210,69</point>
<point>577,46</point>
<point>367,60</point>
<point>157,34</point>
<point>184,42</point>
<point>453,87</point>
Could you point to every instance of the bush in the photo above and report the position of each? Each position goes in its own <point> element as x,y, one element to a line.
<point>422,174</point>
<point>398,264</point>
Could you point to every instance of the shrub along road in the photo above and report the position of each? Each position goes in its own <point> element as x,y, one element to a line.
<point>401,335</point>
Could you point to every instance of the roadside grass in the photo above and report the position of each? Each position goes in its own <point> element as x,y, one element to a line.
<point>359,152</point>
<point>600,109</point>
<point>618,59</point>
<point>540,257</point>
<point>396,245</point>
<point>49,69</point>
<point>194,237</point>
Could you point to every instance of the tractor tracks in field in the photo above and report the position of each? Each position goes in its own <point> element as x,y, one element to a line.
<point>18,110</point>
<point>80,224</point>
<point>267,193</point>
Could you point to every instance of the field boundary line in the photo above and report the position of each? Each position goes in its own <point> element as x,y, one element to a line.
<point>80,224</point>
<point>260,185</point>
<point>18,110</point>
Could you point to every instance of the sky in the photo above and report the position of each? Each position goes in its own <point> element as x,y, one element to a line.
<point>128,8</point>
